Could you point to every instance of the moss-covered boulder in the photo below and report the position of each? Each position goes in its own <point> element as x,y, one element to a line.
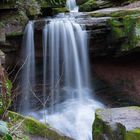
<point>125,31</point>
<point>92,5</point>
<point>117,124</point>
<point>31,127</point>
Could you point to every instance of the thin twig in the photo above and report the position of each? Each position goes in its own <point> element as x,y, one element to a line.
<point>20,69</point>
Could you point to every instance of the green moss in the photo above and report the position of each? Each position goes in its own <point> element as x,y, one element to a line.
<point>56,3</point>
<point>2,25</point>
<point>98,14</point>
<point>126,28</point>
<point>44,4</point>
<point>133,135</point>
<point>131,29</point>
<point>14,34</point>
<point>117,29</point>
<point>31,126</point>
<point>122,13</point>
<point>98,128</point>
<point>134,107</point>
<point>116,14</point>
<point>88,6</point>
<point>59,10</point>
<point>103,126</point>
<point>91,5</point>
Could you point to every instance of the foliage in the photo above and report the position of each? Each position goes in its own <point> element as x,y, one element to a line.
<point>5,95</point>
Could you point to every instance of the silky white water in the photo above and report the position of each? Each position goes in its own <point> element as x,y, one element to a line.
<point>71,5</point>
<point>66,70</point>
<point>65,67</point>
<point>28,68</point>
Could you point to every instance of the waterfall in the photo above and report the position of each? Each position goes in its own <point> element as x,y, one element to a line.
<point>66,77</point>
<point>71,5</point>
<point>67,55</point>
<point>28,70</point>
<point>66,71</point>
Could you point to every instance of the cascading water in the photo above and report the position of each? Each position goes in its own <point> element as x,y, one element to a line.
<point>28,71</point>
<point>71,5</point>
<point>66,71</point>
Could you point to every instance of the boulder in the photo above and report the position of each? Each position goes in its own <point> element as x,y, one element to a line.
<point>3,128</point>
<point>33,128</point>
<point>117,124</point>
<point>91,5</point>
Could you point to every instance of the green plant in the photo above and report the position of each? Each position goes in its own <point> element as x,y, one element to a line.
<point>5,95</point>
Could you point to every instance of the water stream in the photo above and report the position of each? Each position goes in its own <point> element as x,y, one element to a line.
<point>28,70</point>
<point>66,71</point>
<point>71,5</point>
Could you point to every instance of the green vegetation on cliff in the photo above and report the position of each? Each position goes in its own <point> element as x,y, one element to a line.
<point>126,25</point>
<point>92,5</point>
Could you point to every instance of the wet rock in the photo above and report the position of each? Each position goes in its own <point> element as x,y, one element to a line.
<point>122,35</point>
<point>91,5</point>
<point>32,127</point>
<point>3,128</point>
<point>117,124</point>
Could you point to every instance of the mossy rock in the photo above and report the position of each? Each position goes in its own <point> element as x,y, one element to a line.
<point>117,124</point>
<point>128,29</point>
<point>124,26</point>
<point>29,125</point>
<point>92,5</point>
<point>59,10</point>
<point>115,12</point>
<point>133,135</point>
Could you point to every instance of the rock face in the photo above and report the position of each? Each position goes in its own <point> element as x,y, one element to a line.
<point>91,5</point>
<point>14,16</point>
<point>117,124</point>
<point>117,83</point>
<point>123,32</point>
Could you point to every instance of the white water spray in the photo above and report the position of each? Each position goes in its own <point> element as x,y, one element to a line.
<point>72,107</point>
<point>66,71</point>
<point>71,5</point>
<point>28,71</point>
